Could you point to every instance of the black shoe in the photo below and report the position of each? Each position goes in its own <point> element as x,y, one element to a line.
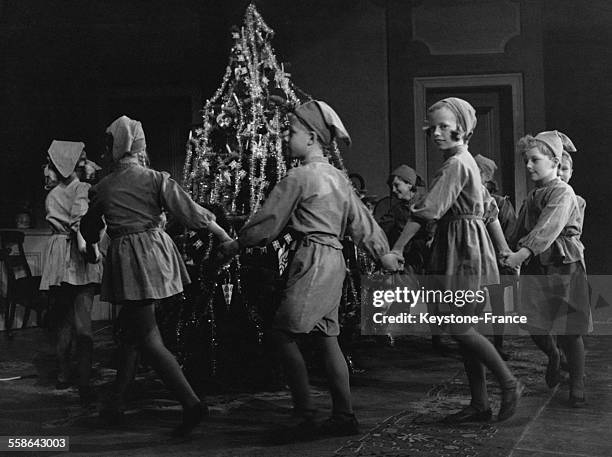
<point>553,373</point>
<point>577,402</point>
<point>469,414</point>
<point>338,425</point>
<point>191,418</point>
<point>510,400</point>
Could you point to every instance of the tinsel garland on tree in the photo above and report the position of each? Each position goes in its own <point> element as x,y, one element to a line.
<point>231,164</point>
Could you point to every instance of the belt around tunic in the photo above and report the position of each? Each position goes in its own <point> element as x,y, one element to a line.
<point>123,231</point>
<point>325,239</point>
<point>61,234</point>
<point>458,217</point>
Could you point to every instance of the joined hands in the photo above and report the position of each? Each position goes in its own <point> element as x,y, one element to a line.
<point>392,262</point>
<point>514,260</point>
<point>227,250</point>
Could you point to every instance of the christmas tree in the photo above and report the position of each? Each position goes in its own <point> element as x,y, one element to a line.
<point>236,157</point>
<point>232,162</point>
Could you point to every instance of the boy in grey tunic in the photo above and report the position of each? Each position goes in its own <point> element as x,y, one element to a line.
<point>317,202</point>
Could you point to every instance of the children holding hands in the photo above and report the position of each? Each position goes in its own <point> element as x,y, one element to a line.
<point>463,256</point>
<point>554,290</point>
<point>318,205</point>
<point>142,263</point>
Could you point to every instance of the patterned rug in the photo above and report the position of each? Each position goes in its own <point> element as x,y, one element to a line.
<point>417,431</point>
<point>408,433</point>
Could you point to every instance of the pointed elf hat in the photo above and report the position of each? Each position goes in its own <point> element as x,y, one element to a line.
<point>128,137</point>
<point>65,155</point>
<point>568,145</point>
<point>552,141</point>
<point>318,116</point>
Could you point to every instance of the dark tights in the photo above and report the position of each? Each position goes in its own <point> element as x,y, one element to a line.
<point>297,375</point>
<point>573,346</point>
<point>73,319</point>
<point>140,333</point>
<point>478,354</point>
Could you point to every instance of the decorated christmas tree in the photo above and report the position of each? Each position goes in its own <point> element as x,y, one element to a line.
<point>237,155</point>
<point>232,162</point>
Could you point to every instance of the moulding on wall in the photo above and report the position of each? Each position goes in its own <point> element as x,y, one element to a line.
<point>512,80</point>
<point>457,28</point>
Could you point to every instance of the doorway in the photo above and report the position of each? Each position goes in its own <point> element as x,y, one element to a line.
<point>498,102</point>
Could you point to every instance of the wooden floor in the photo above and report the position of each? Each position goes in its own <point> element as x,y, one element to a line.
<point>399,398</point>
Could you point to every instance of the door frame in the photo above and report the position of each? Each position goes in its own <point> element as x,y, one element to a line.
<point>513,80</point>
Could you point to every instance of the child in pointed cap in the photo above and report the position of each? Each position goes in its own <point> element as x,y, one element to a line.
<point>71,280</point>
<point>128,137</point>
<point>320,118</point>
<point>143,264</point>
<point>554,290</point>
<point>462,254</point>
<point>318,205</point>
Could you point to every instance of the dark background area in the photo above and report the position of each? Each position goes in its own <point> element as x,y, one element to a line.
<point>68,68</point>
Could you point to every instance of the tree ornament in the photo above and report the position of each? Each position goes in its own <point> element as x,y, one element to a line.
<point>228,289</point>
<point>224,120</point>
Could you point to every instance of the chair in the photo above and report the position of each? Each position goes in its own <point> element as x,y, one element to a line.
<point>21,287</point>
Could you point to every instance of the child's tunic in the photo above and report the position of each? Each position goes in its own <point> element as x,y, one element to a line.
<point>64,263</point>
<point>317,204</point>
<point>554,291</point>
<point>462,250</point>
<point>142,261</point>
